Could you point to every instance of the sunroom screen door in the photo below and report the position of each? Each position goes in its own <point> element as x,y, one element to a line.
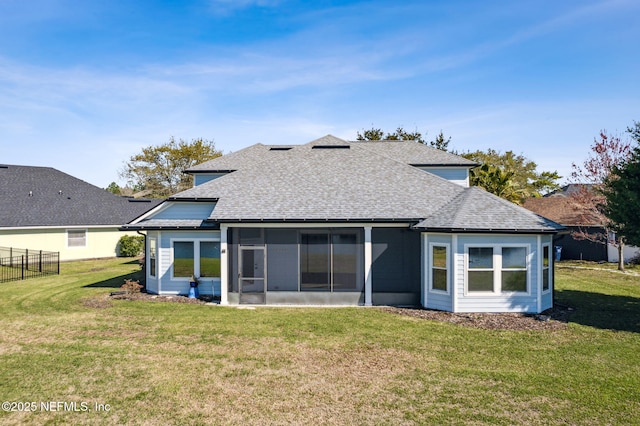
<point>252,275</point>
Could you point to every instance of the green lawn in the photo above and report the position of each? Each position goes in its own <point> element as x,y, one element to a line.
<point>62,341</point>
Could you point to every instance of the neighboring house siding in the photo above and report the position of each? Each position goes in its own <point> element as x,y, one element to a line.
<point>100,242</point>
<point>573,249</point>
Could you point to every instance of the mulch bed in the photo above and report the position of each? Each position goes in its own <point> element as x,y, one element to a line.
<point>555,318</point>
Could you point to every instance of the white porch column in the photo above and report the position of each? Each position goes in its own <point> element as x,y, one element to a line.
<point>368,259</point>
<point>224,266</point>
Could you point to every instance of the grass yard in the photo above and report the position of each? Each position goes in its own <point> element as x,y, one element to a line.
<point>62,341</point>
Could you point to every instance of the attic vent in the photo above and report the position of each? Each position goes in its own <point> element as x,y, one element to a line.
<point>330,147</point>
<point>280,148</point>
<point>138,200</point>
<point>2,166</point>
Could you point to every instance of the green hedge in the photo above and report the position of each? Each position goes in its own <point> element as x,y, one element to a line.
<point>131,245</point>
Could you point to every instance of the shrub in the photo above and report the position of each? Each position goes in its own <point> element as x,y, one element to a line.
<point>131,286</point>
<point>131,245</point>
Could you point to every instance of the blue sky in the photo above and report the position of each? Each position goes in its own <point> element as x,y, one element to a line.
<point>84,85</point>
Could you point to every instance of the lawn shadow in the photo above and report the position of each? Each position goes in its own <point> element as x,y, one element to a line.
<point>116,282</point>
<point>603,311</point>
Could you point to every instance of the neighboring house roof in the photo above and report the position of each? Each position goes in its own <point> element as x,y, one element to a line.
<point>562,207</point>
<point>43,196</point>
<point>330,179</point>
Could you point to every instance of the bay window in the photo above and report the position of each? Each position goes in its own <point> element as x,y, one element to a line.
<point>497,269</point>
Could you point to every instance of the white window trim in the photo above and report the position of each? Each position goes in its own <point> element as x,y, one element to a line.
<point>497,270</point>
<point>196,257</point>
<point>86,238</point>
<point>447,246</point>
<point>155,271</point>
<point>549,268</point>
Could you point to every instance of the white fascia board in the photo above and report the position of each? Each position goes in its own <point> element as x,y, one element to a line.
<point>160,207</point>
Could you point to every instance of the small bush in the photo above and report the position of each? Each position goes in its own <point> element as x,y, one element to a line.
<point>131,286</point>
<point>131,245</point>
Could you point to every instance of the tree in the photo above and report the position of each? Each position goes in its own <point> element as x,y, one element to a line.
<point>497,181</point>
<point>400,134</point>
<point>510,176</point>
<point>607,154</point>
<point>440,142</point>
<point>113,188</point>
<point>374,134</point>
<point>159,169</point>
<point>621,190</point>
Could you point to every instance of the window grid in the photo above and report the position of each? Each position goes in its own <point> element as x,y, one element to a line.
<point>497,276</point>
<point>439,254</point>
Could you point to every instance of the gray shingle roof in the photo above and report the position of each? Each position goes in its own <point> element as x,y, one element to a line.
<point>43,196</point>
<point>477,210</point>
<point>310,182</point>
<point>330,179</point>
<point>409,152</point>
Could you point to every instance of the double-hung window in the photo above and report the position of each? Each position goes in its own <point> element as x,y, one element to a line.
<point>497,269</point>
<point>439,267</point>
<point>546,268</point>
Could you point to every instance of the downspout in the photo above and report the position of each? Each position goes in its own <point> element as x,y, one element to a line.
<point>144,251</point>
<point>552,259</point>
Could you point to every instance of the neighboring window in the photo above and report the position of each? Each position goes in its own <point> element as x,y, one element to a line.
<point>152,257</point>
<point>497,269</point>
<point>209,259</point>
<point>77,238</point>
<point>183,259</point>
<point>439,264</point>
<point>546,270</point>
<point>480,275</point>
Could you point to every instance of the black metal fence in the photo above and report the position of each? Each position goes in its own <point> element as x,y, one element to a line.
<point>20,264</point>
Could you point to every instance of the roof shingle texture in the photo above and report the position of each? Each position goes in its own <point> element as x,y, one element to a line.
<point>476,209</point>
<point>332,179</point>
<point>43,196</point>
